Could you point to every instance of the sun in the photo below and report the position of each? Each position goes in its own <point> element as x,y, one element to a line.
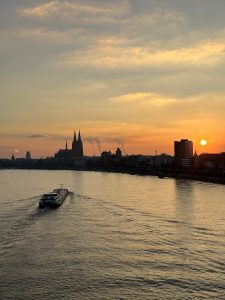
<point>203,142</point>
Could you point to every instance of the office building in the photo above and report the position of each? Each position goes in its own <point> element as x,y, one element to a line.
<point>183,151</point>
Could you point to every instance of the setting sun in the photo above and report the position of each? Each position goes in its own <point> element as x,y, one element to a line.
<point>203,142</point>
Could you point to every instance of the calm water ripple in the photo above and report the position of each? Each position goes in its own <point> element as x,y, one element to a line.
<point>118,237</point>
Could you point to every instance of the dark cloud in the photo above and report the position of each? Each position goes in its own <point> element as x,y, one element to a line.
<point>50,136</point>
<point>37,136</point>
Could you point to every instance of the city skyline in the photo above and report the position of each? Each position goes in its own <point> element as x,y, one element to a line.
<point>134,74</point>
<point>74,147</point>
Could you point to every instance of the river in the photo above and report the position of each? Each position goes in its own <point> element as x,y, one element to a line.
<point>119,236</point>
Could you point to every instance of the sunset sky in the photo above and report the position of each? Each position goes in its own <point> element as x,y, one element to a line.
<point>137,74</point>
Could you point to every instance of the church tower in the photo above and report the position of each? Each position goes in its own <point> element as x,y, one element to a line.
<point>80,145</point>
<point>77,146</point>
<point>74,141</point>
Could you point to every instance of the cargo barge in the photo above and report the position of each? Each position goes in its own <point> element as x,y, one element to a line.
<point>53,199</point>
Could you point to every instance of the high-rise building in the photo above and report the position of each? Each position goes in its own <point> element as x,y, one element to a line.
<point>183,150</point>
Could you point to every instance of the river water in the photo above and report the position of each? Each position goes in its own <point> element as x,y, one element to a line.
<point>118,237</point>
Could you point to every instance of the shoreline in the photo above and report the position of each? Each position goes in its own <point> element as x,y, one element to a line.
<point>162,174</point>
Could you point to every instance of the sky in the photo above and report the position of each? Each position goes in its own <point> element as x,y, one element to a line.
<point>137,74</point>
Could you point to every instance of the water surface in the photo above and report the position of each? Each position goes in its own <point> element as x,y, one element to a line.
<point>118,237</point>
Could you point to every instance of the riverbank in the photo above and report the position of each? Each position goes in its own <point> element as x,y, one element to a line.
<point>203,178</point>
<point>164,174</point>
<point>153,172</point>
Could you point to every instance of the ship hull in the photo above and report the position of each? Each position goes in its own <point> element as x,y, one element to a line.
<point>54,199</point>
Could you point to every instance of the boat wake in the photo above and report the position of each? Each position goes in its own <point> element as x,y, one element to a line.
<point>19,220</point>
<point>20,200</point>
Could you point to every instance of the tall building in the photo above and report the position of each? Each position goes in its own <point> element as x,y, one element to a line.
<point>183,150</point>
<point>70,154</point>
<point>77,146</point>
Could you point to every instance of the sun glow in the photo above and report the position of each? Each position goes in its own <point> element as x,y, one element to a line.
<point>203,142</point>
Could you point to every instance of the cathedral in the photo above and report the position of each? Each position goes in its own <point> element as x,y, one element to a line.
<point>77,146</point>
<point>75,152</point>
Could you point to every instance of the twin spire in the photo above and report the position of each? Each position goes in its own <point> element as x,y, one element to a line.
<point>75,137</point>
<point>77,145</point>
<point>75,140</point>
<point>76,151</point>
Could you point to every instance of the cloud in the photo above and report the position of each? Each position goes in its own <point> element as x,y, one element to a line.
<point>42,10</point>
<point>65,8</point>
<point>42,33</point>
<point>37,136</point>
<point>125,56</point>
<point>121,16</point>
<point>52,136</point>
<point>144,98</point>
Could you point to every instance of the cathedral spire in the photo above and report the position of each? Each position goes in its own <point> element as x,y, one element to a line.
<point>74,137</point>
<point>79,137</point>
<point>77,146</point>
<point>66,146</point>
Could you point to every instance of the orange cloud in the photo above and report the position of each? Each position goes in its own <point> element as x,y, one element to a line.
<point>120,55</point>
<point>144,98</point>
<point>68,7</point>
